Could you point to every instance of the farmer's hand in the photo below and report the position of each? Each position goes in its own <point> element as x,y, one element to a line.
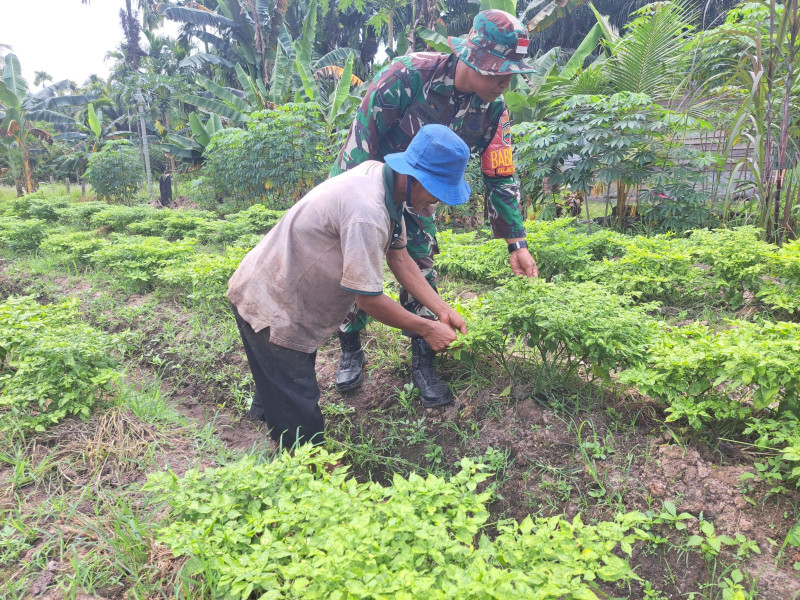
<point>450,317</point>
<point>522,263</point>
<point>440,335</point>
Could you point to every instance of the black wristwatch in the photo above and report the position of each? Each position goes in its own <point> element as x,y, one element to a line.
<point>517,246</point>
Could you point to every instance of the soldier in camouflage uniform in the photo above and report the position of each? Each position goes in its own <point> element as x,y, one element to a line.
<point>464,92</point>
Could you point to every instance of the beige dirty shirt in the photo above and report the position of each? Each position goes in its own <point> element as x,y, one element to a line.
<point>301,280</point>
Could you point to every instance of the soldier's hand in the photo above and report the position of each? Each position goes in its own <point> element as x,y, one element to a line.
<point>522,263</point>
<point>440,336</point>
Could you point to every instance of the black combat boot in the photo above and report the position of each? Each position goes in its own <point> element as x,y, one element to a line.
<point>349,375</point>
<point>432,390</point>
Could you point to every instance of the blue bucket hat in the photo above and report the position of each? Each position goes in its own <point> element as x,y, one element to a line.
<point>437,158</point>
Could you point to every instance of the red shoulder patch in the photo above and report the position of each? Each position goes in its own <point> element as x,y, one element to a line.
<point>498,159</point>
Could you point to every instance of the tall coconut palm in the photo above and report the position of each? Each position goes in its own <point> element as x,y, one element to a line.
<point>40,77</point>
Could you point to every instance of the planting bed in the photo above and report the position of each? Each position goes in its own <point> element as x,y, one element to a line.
<point>634,411</point>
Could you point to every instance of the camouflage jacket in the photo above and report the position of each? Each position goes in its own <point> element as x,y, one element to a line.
<point>418,89</point>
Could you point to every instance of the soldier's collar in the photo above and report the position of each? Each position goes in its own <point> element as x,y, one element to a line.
<point>444,79</point>
<point>444,82</point>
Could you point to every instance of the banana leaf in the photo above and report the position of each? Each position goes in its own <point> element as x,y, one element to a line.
<point>204,18</point>
<point>7,97</point>
<point>215,106</point>
<point>196,61</point>
<point>552,13</point>
<point>12,77</point>
<point>250,89</point>
<point>94,121</point>
<point>434,39</point>
<point>342,90</point>
<point>225,94</point>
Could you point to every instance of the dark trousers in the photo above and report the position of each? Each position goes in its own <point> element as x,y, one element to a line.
<point>287,394</point>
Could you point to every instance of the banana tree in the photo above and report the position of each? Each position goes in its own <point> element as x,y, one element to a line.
<point>229,103</point>
<point>89,138</point>
<point>20,110</point>
<point>241,32</point>
<point>192,148</point>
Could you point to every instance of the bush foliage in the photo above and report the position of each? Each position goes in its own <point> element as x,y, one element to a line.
<point>50,366</point>
<point>22,234</point>
<point>289,529</point>
<point>281,155</point>
<point>115,173</point>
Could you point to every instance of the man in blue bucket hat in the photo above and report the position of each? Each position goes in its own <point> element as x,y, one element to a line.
<point>291,292</point>
<point>462,91</point>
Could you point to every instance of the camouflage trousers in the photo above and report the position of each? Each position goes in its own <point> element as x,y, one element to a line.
<point>421,246</point>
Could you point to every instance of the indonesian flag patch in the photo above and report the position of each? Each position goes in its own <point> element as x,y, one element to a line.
<point>522,45</point>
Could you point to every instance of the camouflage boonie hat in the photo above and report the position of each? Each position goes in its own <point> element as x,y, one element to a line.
<point>496,44</point>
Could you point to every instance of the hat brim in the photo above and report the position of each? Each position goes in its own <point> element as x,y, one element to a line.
<point>463,49</point>
<point>447,193</point>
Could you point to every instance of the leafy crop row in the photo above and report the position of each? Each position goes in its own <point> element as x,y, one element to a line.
<point>30,213</point>
<point>567,323</point>
<point>50,365</point>
<point>719,268</point>
<point>291,529</point>
<point>745,374</point>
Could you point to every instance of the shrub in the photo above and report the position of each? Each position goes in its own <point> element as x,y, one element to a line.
<point>80,213</point>
<point>115,173</point>
<point>173,224</point>
<point>660,268</point>
<point>76,246</point>
<point>276,159</point>
<point>782,290</point>
<point>737,258</point>
<point>22,234</point>
<point>116,218</point>
<point>205,276</point>
<point>289,529</point>
<point>567,323</point>
<point>50,366</point>
<point>706,375</point>
<point>46,209</point>
<point>137,259</point>
<point>559,247</point>
<point>466,256</point>
<point>562,249</point>
<point>257,219</point>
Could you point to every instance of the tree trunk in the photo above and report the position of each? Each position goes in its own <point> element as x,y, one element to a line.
<point>165,189</point>
<point>143,134</point>
<point>26,170</point>
<point>83,188</point>
<point>276,23</point>
<point>171,166</point>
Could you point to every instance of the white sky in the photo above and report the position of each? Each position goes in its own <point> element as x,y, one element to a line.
<point>67,39</point>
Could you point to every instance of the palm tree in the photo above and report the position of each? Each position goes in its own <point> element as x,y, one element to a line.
<point>39,77</point>
<point>133,55</point>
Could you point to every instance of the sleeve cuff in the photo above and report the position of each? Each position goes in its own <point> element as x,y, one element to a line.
<point>360,292</point>
<point>516,233</point>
